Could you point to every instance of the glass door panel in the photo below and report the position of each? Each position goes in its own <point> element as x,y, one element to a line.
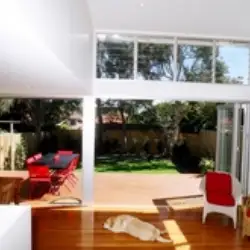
<point>224,138</point>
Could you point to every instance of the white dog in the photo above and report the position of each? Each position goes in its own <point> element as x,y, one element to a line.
<point>134,227</point>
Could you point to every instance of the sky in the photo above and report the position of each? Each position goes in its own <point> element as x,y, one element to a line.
<point>237,58</point>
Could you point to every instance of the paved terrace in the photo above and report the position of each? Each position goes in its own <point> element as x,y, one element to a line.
<point>124,188</point>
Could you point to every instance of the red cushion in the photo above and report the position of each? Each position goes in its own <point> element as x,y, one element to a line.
<point>218,182</point>
<point>220,199</point>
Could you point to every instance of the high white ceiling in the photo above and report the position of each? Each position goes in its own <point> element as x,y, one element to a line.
<point>220,18</point>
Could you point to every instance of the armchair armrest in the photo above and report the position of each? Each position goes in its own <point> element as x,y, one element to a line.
<point>237,189</point>
<point>203,184</point>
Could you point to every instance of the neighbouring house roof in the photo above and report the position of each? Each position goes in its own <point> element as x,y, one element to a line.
<point>75,120</point>
<point>112,118</point>
<point>106,118</point>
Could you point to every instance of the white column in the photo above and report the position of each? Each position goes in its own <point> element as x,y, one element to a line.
<point>245,151</point>
<point>88,150</point>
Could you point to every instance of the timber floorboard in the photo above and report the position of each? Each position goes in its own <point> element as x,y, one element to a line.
<point>81,228</point>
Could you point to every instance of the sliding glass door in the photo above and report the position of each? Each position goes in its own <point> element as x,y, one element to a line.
<point>233,141</point>
<point>224,137</point>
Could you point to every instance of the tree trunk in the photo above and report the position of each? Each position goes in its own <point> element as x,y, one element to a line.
<point>124,130</point>
<point>38,136</point>
<point>38,113</point>
<point>99,126</point>
<point>171,136</point>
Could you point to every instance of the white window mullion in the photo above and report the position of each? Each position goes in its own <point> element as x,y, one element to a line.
<point>175,56</point>
<point>214,62</point>
<point>135,58</point>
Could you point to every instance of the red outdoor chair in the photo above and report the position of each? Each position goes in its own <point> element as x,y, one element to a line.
<point>33,158</point>
<point>73,166</point>
<point>30,160</point>
<point>67,174</point>
<point>222,194</point>
<point>62,176</point>
<point>64,152</point>
<point>38,156</point>
<point>39,174</point>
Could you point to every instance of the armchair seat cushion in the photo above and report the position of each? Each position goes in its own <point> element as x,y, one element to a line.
<point>220,199</point>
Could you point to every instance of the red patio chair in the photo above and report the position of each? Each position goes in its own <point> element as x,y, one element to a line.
<point>67,174</point>
<point>64,152</point>
<point>73,166</point>
<point>30,160</point>
<point>39,174</point>
<point>62,176</point>
<point>38,156</point>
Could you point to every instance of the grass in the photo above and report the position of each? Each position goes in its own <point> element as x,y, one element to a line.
<point>134,165</point>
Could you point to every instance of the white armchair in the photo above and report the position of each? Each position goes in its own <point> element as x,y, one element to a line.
<point>222,194</point>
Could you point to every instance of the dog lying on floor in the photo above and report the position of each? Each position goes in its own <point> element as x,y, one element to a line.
<point>135,227</point>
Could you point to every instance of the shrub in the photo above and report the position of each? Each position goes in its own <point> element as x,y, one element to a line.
<point>20,156</point>
<point>206,165</point>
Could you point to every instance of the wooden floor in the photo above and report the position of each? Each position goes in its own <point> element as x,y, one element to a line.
<point>81,228</point>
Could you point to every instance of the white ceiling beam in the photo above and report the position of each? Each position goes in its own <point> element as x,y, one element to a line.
<point>162,90</point>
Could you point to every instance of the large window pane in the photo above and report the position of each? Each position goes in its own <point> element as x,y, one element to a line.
<point>232,64</point>
<point>114,57</point>
<point>155,61</point>
<point>194,63</point>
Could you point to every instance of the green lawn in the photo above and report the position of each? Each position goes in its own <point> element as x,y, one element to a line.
<point>134,165</point>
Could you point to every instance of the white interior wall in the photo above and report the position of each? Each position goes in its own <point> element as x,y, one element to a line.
<point>15,228</point>
<point>46,48</point>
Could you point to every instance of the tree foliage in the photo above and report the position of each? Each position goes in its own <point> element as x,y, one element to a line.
<point>43,112</point>
<point>5,105</point>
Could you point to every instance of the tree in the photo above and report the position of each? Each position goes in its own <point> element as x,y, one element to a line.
<point>128,110</point>
<point>200,115</point>
<point>39,113</point>
<point>5,105</point>
<point>99,113</point>
<point>169,116</point>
